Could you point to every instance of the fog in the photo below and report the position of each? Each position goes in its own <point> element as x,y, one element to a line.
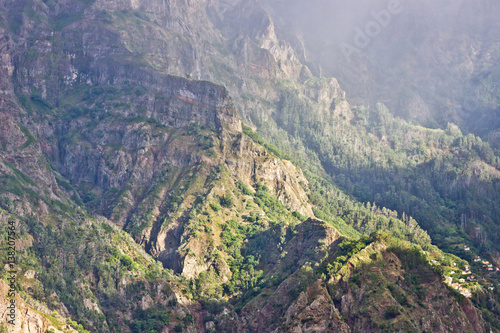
<point>431,62</point>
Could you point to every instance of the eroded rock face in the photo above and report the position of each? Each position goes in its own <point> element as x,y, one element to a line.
<point>284,309</point>
<point>250,163</point>
<point>144,147</point>
<point>27,319</point>
<point>121,138</point>
<point>313,311</point>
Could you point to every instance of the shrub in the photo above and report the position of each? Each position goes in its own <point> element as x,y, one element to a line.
<point>215,206</point>
<point>392,312</point>
<point>244,189</point>
<point>227,200</point>
<point>126,260</point>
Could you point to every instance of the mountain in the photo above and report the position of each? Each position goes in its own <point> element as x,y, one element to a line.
<point>399,52</point>
<point>177,166</point>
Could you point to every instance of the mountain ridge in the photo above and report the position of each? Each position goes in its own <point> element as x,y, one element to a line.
<point>102,141</point>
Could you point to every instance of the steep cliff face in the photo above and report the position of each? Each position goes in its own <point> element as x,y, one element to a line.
<point>145,149</point>
<point>29,318</point>
<point>373,291</point>
<point>103,113</point>
<point>250,163</point>
<point>282,301</point>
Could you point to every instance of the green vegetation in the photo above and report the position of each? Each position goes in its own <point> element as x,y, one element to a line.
<point>244,189</point>
<point>275,211</point>
<point>226,200</point>
<point>165,177</point>
<point>347,249</point>
<point>76,326</point>
<point>392,312</point>
<point>243,268</point>
<point>438,177</point>
<point>150,320</point>
<point>257,139</point>
<point>30,138</point>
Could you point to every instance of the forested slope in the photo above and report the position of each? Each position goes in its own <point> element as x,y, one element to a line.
<point>142,203</point>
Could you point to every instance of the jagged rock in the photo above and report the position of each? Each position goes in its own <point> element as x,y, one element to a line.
<point>120,122</point>
<point>25,318</point>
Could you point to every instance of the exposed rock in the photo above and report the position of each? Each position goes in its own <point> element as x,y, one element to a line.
<point>30,274</point>
<point>25,318</point>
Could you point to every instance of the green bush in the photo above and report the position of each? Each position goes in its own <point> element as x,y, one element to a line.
<point>150,320</point>
<point>76,326</point>
<point>126,260</point>
<point>258,139</point>
<point>244,189</point>
<point>215,206</point>
<point>392,312</point>
<point>226,200</point>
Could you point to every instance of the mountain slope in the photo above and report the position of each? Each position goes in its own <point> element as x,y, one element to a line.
<point>429,63</point>
<point>110,161</point>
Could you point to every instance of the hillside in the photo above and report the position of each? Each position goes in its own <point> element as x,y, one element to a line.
<point>430,63</point>
<point>141,202</point>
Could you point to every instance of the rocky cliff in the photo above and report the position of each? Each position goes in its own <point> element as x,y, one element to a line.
<point>142,201</point>
<point>29,318</point>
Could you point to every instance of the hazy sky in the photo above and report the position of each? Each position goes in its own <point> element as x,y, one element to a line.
<point>400,52</point>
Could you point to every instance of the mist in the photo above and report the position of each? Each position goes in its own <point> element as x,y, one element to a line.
<point>429,62</point>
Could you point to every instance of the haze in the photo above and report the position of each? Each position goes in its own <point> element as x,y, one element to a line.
<point>430,62</point>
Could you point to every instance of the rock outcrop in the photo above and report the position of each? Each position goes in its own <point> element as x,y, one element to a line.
<point>28,318</point>
<point>120,142</point>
